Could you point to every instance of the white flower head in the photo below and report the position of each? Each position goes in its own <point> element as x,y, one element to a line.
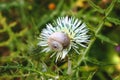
<point>62,36</point>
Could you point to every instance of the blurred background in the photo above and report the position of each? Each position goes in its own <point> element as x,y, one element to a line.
<point>21,22</point>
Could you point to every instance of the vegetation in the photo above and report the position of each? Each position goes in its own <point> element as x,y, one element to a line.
<point>21,22</point>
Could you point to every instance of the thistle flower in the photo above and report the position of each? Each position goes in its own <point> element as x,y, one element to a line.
<point>63,35</point>
<point>118,48</point>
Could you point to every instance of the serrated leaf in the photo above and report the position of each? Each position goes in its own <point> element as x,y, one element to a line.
<point>106,39</point>
<point>109,9</point>
<point>12,24</point>
<point>114,20</point>
<point>95,6</point>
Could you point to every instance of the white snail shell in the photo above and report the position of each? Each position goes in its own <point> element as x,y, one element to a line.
<point>58,41</point>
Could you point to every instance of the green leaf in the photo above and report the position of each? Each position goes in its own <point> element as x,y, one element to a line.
<point>97,8</point>
<point>118,1</point>
<point>106,39</point>
<point>113,20</point>
<point>109,9</point>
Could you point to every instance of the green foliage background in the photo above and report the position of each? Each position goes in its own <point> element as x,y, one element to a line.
<point>21,22</point>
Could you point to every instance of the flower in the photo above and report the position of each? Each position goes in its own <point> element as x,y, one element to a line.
<point>117,48</point>
<point>63,35</point>
<point>51,6</point>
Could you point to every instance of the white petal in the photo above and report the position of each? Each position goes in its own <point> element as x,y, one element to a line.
<point>42,43</point>
<point>76,50</point>
<point>64,53</point>
<point>47,49</point>
<point>53,54</point>
<point>58,55</point>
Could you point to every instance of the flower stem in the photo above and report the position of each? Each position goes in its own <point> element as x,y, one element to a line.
<point>100,26</point>
<point>86,51</point>
<point>91,43</point>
